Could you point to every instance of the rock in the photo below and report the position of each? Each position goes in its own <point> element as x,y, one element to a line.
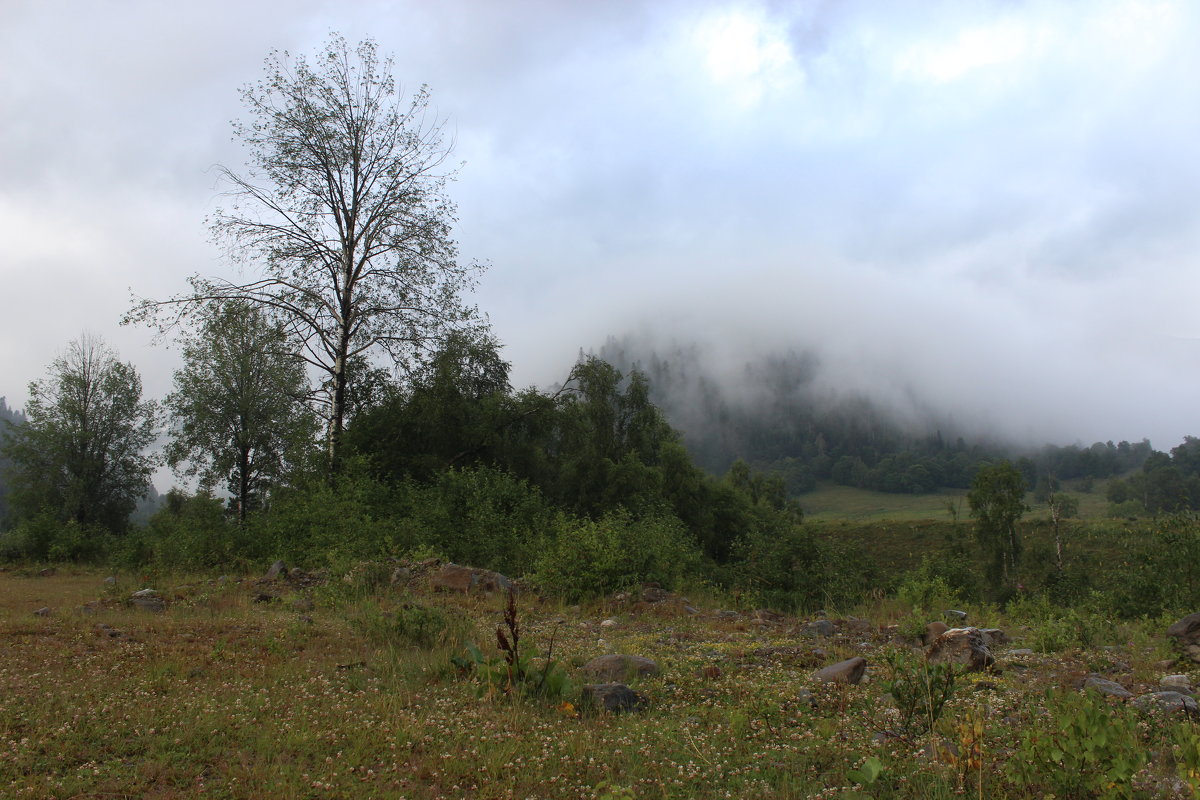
<point>275,570</point>
<point>993,637</point>
<point>296,574</point>
<point>263,597</point>
<point>616,667</point>
<point>111,580</point>
<point>107,630</point>
<point>653,593</point>
<point>148,603</point>
<point>613,697</point>
<point>145,593</point>
<point>727,615</point>
<point>1167,702</point>
<point>963,646</point>
<point>932,631</point>
<point>608,623</point>
<point>710,672</point>
<point>806,697</point>
<point>954,615</point>
<point>1104,686</point>
<point>302,604</point>
<point>42,612</point>
<point>401,575</point>
<point>48,572</point>
<point>1020,651</point>
<point>766,615</point>
<point>1176,683</point>
<point>850,671</point>
<point>1186,633</point>
<point>821,628</point>
<point>455,578</point>
<point>691,610</point>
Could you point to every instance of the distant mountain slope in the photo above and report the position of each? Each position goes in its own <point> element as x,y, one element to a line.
<point>776,412</point>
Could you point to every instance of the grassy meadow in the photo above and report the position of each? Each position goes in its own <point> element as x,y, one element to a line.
<point>247,689</point>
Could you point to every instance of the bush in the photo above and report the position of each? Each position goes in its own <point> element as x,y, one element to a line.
<point>787,567</point>
<point>483,516</point>
<point>594,557</point>
<point>1084,747</point>
<point>187,533</point>
<point>412,625</point>
<point>45,538</point>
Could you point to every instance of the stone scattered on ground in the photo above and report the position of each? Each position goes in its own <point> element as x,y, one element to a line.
<point>44,611</point>
<point>1186,633</point>
<point>1167,702</point>
<point>608,623</point>
<point>105,629</point>
<point>1177,683</point>
<point>152,603</point>
<point>766,616</point>
<point>613,697</point>
<point>48,572</point>
<point>954,615</point>
<point>963,646</point>
<point>145,593</point>
<point>850,671</point>
<point>1105,686</point>
<point>618,667</point>
<point>111,580</point>
<point>276,570</point>
<point>456,578</point>
<point>821,628</point>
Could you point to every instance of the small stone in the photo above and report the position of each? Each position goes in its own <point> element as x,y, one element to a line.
<point>850,671</point>
<point>302,604</point>
<point>806,697</point>
<point>1104,686</point>
<point>727,615</point>
<point>1167,702</point>
<point>822,628</point>
<point>608,623</point>
<point>42,612</point>
<point>954,615</point>
<point>145,593</point>
<point>275,570</point>
<point>690,610</point>
<point>149,603</point>
<point>613,697</point>
<point>111,580</point>
<point>48,572</point>
<point>1178,683</point>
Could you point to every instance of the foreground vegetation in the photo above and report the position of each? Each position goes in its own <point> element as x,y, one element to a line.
<point>223,696</point>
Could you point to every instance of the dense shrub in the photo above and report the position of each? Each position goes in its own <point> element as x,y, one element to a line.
<point>592,557</point>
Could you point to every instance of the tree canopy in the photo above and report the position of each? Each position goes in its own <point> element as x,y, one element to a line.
<point>343,212</point>
<point>80,452</point>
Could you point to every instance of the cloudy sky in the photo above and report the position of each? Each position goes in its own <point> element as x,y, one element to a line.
<point>990,205</point>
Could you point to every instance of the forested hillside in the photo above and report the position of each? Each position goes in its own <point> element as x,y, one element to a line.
<point>774,412</point>
<point>8,416</point>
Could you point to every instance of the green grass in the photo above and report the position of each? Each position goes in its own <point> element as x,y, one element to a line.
<point>833,503</point>
<point>224,697</point>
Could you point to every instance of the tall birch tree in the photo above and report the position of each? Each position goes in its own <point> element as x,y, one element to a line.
<point>342,213</point>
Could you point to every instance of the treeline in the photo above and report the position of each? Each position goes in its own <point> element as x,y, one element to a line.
<point>1165,483</point>
<point>580,491</point>
<point>780,420</point>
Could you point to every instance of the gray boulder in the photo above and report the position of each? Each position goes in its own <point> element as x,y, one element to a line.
<point>1186,633</point>
<point>821,628</point>
<point>612,697</point>
<point>1167,702</point>
<point>964,646</point>
<point>850,671</point>
<point>276,570</point>
<point>616,667</point>
<point>932,631</point>
<point>148,603</point>
<point>1105,686</point>
<point>456,578</point>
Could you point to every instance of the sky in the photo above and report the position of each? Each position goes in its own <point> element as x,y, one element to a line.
<point>989,207</point>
